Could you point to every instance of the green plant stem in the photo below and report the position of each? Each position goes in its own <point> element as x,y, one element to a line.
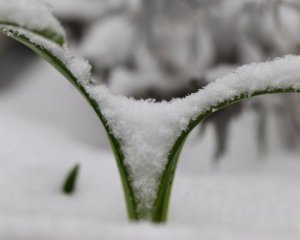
<point>161,205</point>
<point>71,180</point>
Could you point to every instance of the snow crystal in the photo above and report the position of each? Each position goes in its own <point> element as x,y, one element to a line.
<point>217,72</point>
<point>31,14</point>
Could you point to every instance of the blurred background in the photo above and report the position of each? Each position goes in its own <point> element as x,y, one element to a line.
<point>159,49</point>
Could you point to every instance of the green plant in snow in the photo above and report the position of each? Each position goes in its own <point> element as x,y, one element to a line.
<point>71,180</point>
<point>143,203</point>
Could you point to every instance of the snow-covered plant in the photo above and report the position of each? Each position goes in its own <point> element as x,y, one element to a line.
<point>146,136</point>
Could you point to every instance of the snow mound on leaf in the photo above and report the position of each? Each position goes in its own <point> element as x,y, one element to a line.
<point>148,130</point>
<point>32,14</point>
<point>281,73</point>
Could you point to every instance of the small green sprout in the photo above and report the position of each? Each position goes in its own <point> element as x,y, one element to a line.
<point>71,180</point>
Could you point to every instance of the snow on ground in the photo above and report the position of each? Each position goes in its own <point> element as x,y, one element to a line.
<point>47,127</point>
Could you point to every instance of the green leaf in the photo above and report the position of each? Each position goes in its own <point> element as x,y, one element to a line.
<point>46,33</point>
<point>71,180</point>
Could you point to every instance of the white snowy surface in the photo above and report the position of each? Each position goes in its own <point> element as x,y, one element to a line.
<point>28,13</point>
<point>248,197</point>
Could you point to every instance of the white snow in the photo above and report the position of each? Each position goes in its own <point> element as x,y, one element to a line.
<point>147,132</point>
<point>28,13</point>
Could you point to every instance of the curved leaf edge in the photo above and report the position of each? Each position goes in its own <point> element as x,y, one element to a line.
<point>48,34</point>
<point>62,68</point>
<point>161,205</point>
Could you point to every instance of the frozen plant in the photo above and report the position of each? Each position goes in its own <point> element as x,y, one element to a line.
<point>146,136</point>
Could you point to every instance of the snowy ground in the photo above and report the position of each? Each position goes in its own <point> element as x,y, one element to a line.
<point>47,127</point>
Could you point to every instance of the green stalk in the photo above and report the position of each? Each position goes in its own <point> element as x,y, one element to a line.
<point>161,205</point>
<point>71,180</point>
